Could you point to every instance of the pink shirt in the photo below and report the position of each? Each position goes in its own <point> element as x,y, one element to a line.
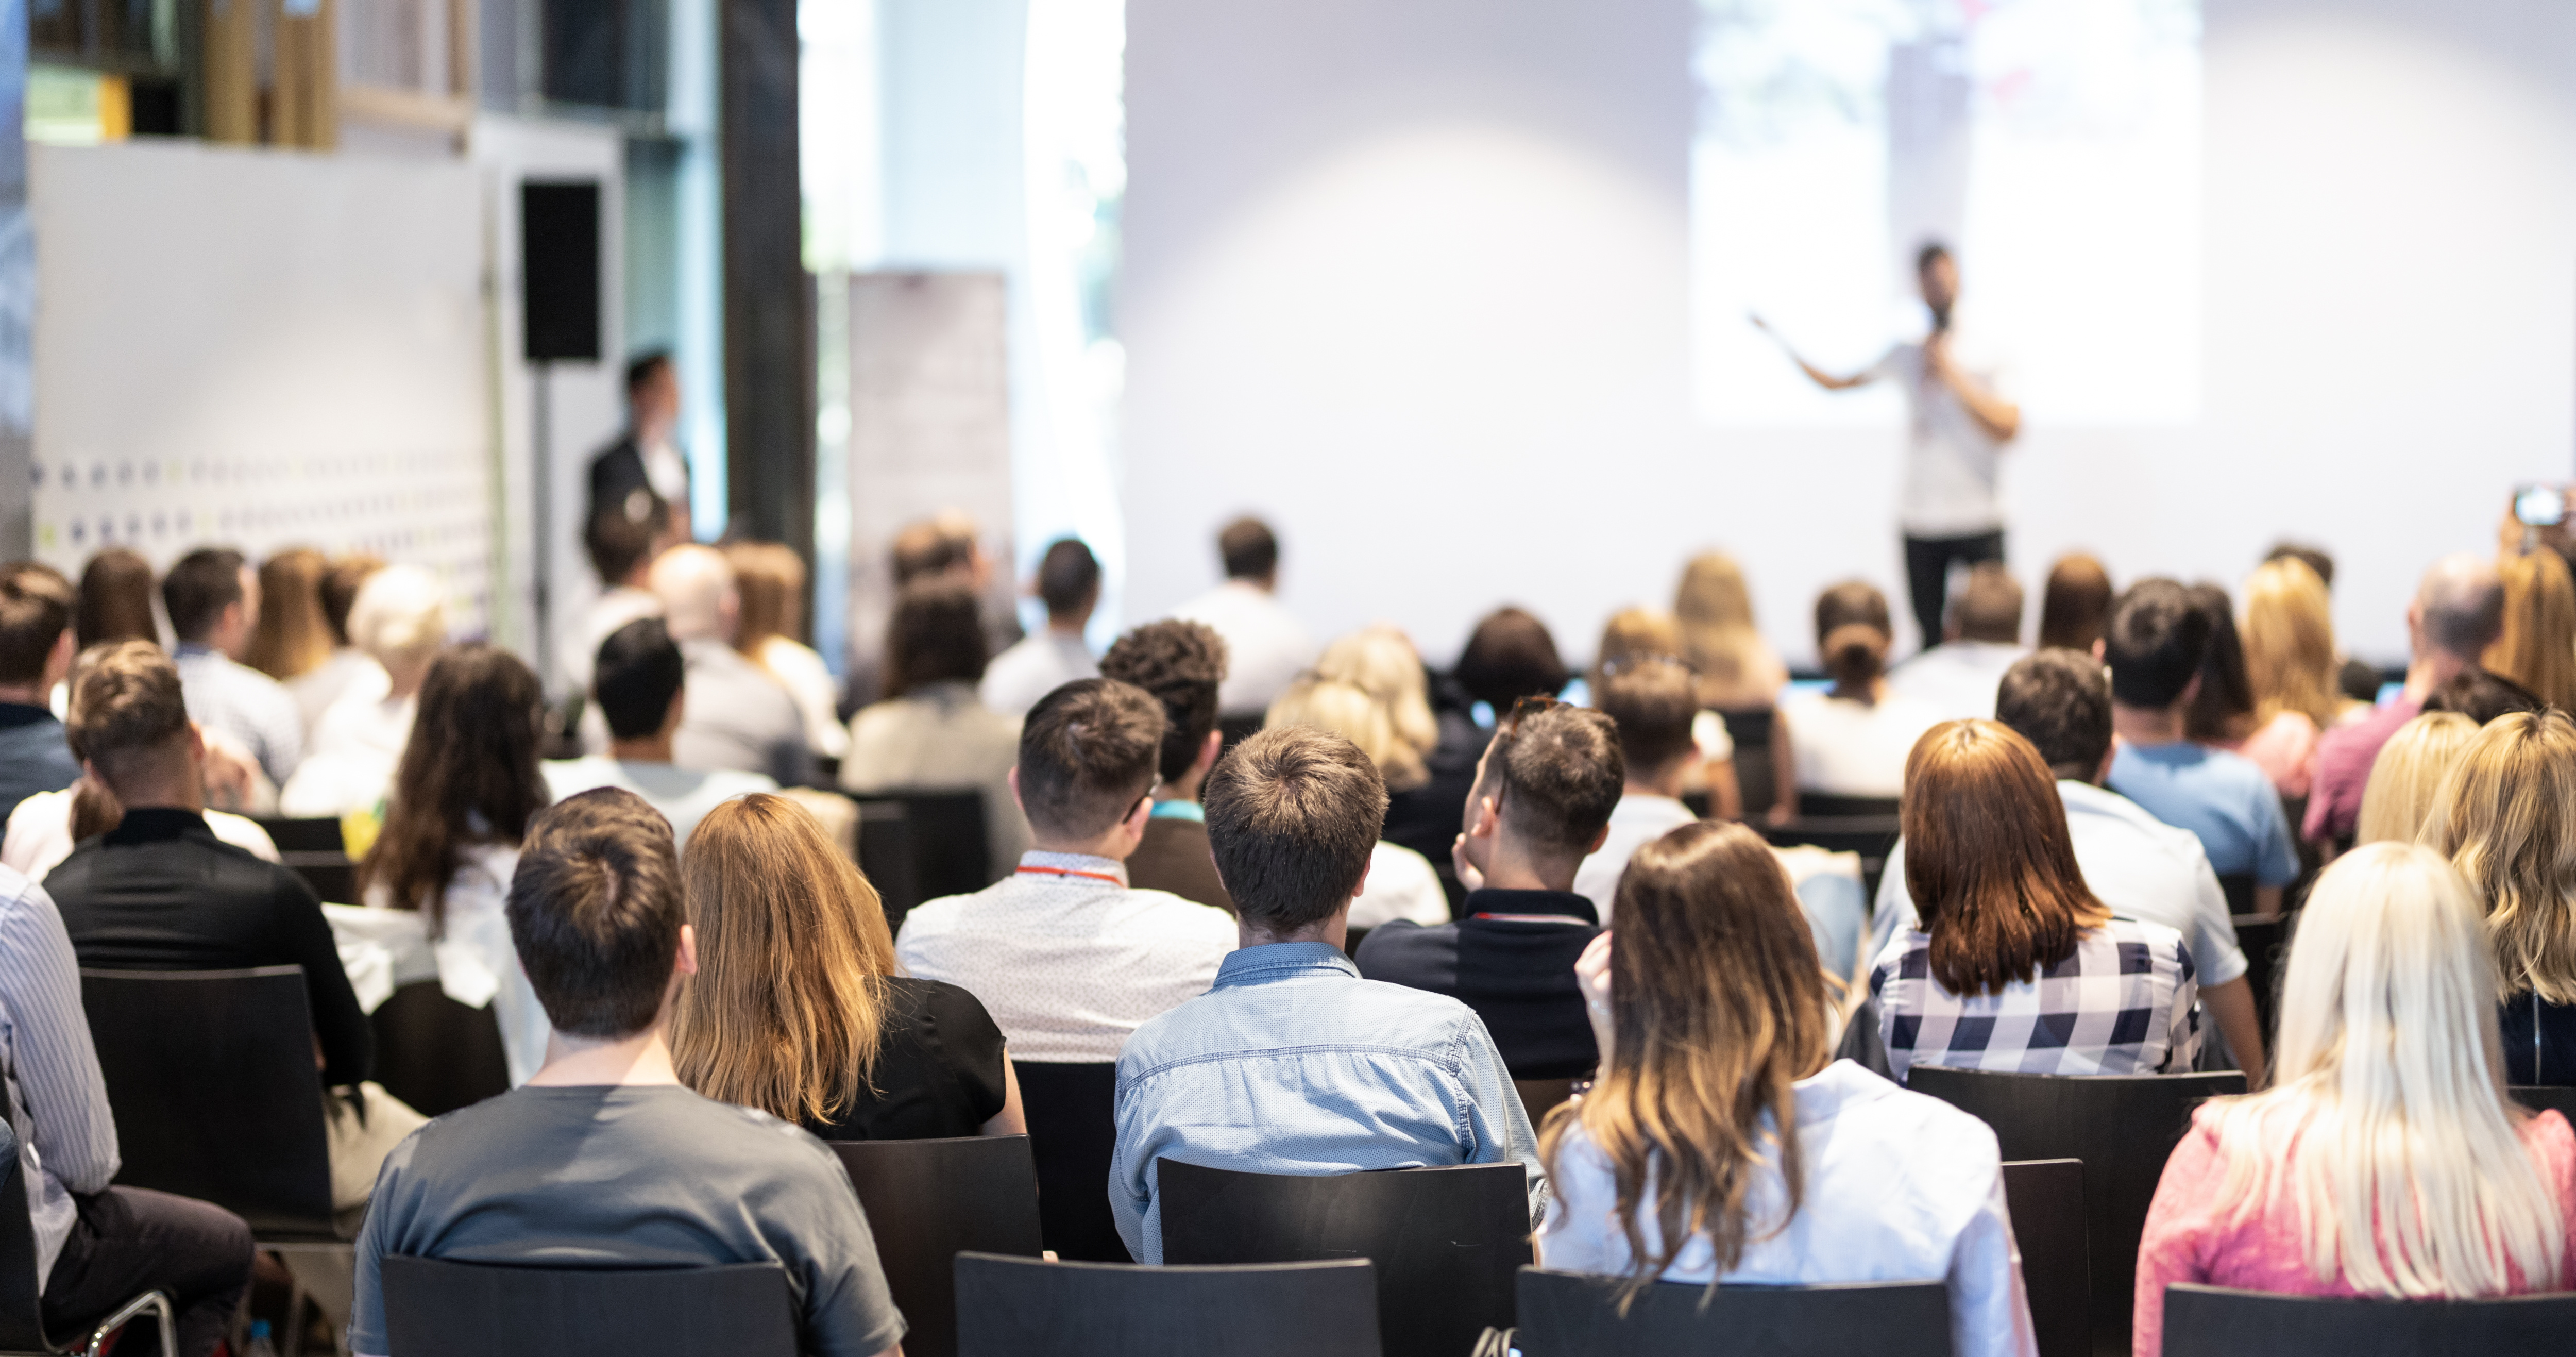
<point>2285,749</point>
<point>2344,756</point>
<point>2188,1240</point>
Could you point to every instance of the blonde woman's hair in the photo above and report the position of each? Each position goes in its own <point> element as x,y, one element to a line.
<point>2407,774</point>
<point>2506,817</point>
<point>293,637</point>
<point>2410,1177</point>
<point>399,616</point>
<point>2289,642</point>
<point>1346,709</point>
<point>770,580</point>
<point>786,1010</point>
<point>2538,646</point>
<point>1633,635</point>
<point>1714,612</point>
<point>1381,661</point>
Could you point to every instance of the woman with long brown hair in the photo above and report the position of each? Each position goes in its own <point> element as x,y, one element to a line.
<point>770,632</point>
<point>2014,965</point>
<point>2538,647</point>
<point>797,1008</point>
<point>1712,1019</point>
<point>115,601</point>
<point>292,637</point>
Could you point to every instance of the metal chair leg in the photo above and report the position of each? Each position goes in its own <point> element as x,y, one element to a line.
<point>150,1300</point>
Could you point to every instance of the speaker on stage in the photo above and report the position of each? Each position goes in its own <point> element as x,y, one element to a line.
<point>559,270</point>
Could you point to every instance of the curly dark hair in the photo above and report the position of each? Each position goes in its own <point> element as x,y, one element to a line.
<point>1181,664</point>
<point>469,775</point>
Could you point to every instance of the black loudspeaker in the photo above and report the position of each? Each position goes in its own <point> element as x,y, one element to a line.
<point>559,270</point>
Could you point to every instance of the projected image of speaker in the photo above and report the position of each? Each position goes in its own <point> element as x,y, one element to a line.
<point>559,270</point>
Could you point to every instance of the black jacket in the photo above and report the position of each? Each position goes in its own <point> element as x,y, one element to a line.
<point>1518,974</point>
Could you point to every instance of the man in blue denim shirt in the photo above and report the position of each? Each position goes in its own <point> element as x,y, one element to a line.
<point>1292,1063</point>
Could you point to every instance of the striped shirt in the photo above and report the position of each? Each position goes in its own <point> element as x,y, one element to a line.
<point>2121,1003</point>
<point>245,704</point>
<point>57,1098</point>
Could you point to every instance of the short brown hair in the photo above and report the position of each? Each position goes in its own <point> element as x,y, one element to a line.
<point>1988,607</point>
<point>1653,703</point>
<point>115,599</point>
<point>1556,772</point>
<point>595,908</point>
<point>1249,549</point>
<point>936,634</point>
<point>1989,860</point>
<point>1509,656</point>
<point>126,707</point>
<point>2075,604</point>
<point>1292,817</point>
<point>1088,752</point>
<point>35,609</point>
<point>1183,665</point>
<point>198,588</point>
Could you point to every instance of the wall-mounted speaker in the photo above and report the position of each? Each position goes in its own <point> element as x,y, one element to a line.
<point>559,270</point>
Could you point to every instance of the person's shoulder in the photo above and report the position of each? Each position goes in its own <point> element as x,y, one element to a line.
<point>724,784</point>
<point>1401,944</point>
<point>1925,1123</point>
<point>568,777</point>
<point>1404,1013</point>
<point>1403,861</point>
<point>2156,937</point>
<point>1185,917</point>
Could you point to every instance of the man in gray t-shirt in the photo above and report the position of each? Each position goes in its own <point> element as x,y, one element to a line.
<point>603,1159</point>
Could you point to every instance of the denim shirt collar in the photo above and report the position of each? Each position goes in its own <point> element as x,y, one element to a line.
<point>1281,961</point>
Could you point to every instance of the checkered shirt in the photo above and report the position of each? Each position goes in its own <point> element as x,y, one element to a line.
<point>2121,1004</point>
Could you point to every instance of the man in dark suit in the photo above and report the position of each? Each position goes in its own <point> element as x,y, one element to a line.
<point>645,460</point>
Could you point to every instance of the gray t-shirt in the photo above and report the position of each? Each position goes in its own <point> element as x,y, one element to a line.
<point>652,1176</point>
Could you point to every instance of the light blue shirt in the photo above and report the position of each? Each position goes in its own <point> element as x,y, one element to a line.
<point>1292,1064</point>
<point>245,704</point>
<point>2223,798</point>
<point>1177,809</point>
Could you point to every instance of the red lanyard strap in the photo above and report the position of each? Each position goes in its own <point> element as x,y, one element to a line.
<point>1070,871</point>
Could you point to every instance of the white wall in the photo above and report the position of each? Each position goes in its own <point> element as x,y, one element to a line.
<point>1413,280</point>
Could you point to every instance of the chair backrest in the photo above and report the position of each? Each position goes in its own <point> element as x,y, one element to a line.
<point>928,1201</point>
<point>315,850</point>
<point>211,1077</point>
<point>1026,1307</point>
<point>437,1054</point>
<point>2265,940</point>
<point>1446,1241</point>
<point>885,854</point>
<point>2560,1100</point>
<point>2122,1126</point>
<point>2046,1199</point>
<point>435,1306</point>
<point>1873,837</point>
<point>307,834</point>
<point>1073,1134</point>
<point>1754,781</point>
<point>1573,1314</point>
<point>1831,806</point>
<point>22,1327</point>
<point>2238,887</point>
<point>949,848</point>
<point>2203,1321</point>
<point>1540,1096</point>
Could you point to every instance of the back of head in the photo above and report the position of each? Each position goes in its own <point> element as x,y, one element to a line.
<point>926,548</point>
<point>1557,774</point>
<point>468,773</point>
<point>787,1006</point>
<point>2315,559</point>
<point>292,636</point>
<point>2387,1121</point>
<point>620,537</point>
<point>1249,550</point>
<point>1714,612</point>
<point>198,588</point>
<point>2060,702</point>
<point>2408,773</point>
<point>1510,656</point>
<point>1068,578</point>
<point>2538,646</point>
<point>348,573</point>
<point>1182,664</point>
<point>400,617</point>
<point>1292,817</point>
<point>1380,660</point>
<point>1717,1005</point>
<point>1634,634</point>
<point>2156,643</point>
<point>595,911</point>
<point>1652,703</point>
<point>2506,817</point>
<point>643,370</point>
<point>639,672</point>
<point>1988,607</point>
<point>2289,642</point>
<point>2075,603</point>
<point>2481,696</point>
<point>1988,858</point>
<point>935,636</point>
<point>1349,711</point>
<point>697,592</point>
<point>2223,709</point>
<point>1852,634</point>
<point>128,717</point>
<point>2461,604</point>
<point>35,611</point>
<point>115,600</point>
<point>769,579</point>
<point>1088,754</point>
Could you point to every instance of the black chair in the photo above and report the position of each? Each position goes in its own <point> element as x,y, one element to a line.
<point>1446,1241</point>
<point>948,839</point>
<point>1234,730</point>
<point>22,1327</point>
<point>434,1306</point>
<point>1540,1096</point>
<point>2203,1321</point>
<point>2560,1100</point>
<point>2122,1126</point>
<point>437,1054</point>
<point>885,855</point>
<point>1023,1307</point>
<point>930,1200</point>
<point>1753,730</point>
<point>1873,837</point>
<point>314,849</point>
<point>2046,1199</point>
<point>2265,940</point>
<point>2238,887</point>
<point>1073,1133</point>
<point>1829,806</point>
<point>1572,1314</point>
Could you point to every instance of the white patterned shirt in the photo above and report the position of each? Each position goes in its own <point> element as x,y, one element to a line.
<point>2121,1003</point>
<point>246,704</point>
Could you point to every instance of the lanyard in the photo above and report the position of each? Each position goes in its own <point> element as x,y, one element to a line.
<point>1070,871</point>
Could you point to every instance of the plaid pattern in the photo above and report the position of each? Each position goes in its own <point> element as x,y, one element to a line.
<point>2121,1004</point>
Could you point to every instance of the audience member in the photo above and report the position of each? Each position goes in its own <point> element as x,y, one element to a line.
<point>2226,714</point>
<point>2506,818</point>
<point>1640,636</point>
<point>35,656</point>
<point>2017,965</point>
<point>644,465</point>
<point>2386,1160</point>
<point>1651,705</point>
<point>2457,613</point>
<point>212,597</point>
<point>2157,645</point>
<point>622,1164</point>
<point>1424,815</point>
<point>1633,634</point>
<point>1509,656</point>
<point>743,720</point>
<point>1067,956</point>
<point>1182,664</point>
<point>1265,646</point>
<point>798,1008</point>
<point>292,639</point>
<point>2408,773</point>
<point>1068,583</point>
<point>945,545</point>
<point>2288,631</point>
<point>1292,1063</point>
<point>2358,682</point>
<point>642,691</point>
<point>1852,739</point>
<point>399,621</point>
<point>770,579</point>
<point>1740,679</point>
<point>115,600</point>
<point>931,732</point>
<point>621,547</point>
<point>2481,696</point>
<point>159,892</point>
<point>438,875</point>
<point>1401,884</point>
<point>2537,647</point>
<point>2074,604</point>
<point>2138,866</point>
<point>1715,1031</point>
<point>1979,641</point>
<point>948,546</point>
<point>347,669</point>
<point>1544,797</point>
